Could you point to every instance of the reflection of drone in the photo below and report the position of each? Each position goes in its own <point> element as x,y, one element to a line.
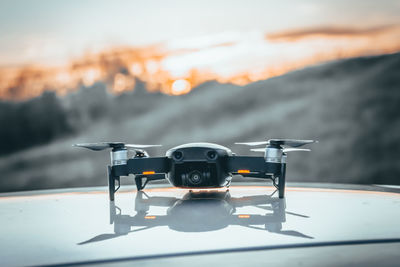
<point>199,165</point>
<point>200,212</point>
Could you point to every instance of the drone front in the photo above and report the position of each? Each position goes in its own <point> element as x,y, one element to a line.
<point>198,165</point>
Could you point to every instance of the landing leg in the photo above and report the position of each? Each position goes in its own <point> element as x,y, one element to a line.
<point>111,184</point>
<point>138,181</point>
<point>281,183</point>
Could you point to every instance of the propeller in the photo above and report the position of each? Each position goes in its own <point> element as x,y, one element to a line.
<point>140,146</point>
<point>289,149</point>
<point>279,142</point>
<point>290,142</point>
<point>114,145</point>
<point>253,143</point>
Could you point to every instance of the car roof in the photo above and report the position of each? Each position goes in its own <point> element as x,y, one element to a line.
<point>81,225</point>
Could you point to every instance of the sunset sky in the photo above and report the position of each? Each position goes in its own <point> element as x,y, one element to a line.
<point>226,38</point>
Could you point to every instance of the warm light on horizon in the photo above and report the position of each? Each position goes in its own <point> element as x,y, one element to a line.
<point>173,69</point>
<point>180,87</point>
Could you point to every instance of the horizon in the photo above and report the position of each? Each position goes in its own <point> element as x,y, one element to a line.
<point>175,46</point>
<point>88,71</point>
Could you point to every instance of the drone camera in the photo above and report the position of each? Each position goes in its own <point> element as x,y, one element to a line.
<point>212,155</point>
<point>177,155</point>
<point>195,174</point>
<point>196,177</point>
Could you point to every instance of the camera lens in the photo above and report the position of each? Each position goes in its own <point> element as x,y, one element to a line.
<point>178,155</point>
<point>212,154</point>
<point>195,177</point>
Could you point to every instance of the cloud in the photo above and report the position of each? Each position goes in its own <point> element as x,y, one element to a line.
<point>332,31</point>
<point>234,57</point>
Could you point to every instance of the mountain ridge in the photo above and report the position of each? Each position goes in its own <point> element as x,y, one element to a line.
<point>350,106</point>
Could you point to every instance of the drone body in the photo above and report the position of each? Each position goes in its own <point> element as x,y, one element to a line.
<point>198,165</point>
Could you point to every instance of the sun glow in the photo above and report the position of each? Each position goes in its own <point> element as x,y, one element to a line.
<point>180,87</point>
<point>175,68</point>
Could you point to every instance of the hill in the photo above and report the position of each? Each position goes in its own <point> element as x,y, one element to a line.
<point>351,106</point>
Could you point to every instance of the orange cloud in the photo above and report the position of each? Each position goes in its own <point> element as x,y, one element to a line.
<point>176,68</point>
<point>329,31</point>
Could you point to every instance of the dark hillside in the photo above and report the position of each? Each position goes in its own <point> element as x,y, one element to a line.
<point>351,106</point>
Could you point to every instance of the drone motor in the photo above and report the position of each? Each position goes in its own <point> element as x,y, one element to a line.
<point>119,157</point>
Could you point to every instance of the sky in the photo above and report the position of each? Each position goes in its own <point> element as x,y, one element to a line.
<point>175,45</point>
<point>52,31</point>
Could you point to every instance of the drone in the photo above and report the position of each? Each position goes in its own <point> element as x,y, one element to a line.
<point>198,165</point>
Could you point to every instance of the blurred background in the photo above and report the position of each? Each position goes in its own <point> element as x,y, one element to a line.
<point>171,72</point>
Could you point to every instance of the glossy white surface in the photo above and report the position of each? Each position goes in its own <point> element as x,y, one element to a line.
<point>75,226</point>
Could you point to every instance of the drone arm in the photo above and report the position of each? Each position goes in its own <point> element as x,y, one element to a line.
<point>258,167</point>
<point>153,168</point>
<point>242,164</point>
<point>154,164</point>
<point>251,166</point>
<point>143,166</point>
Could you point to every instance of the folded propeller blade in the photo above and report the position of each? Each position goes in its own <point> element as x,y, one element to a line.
<point>253,143</point>
<point>279,142</point>
<point>258,150</point>
<point>290,149</point>
<point>104,145</point>
<point>140,146</point>
<point>290,142</point>
<point>96,146</point>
